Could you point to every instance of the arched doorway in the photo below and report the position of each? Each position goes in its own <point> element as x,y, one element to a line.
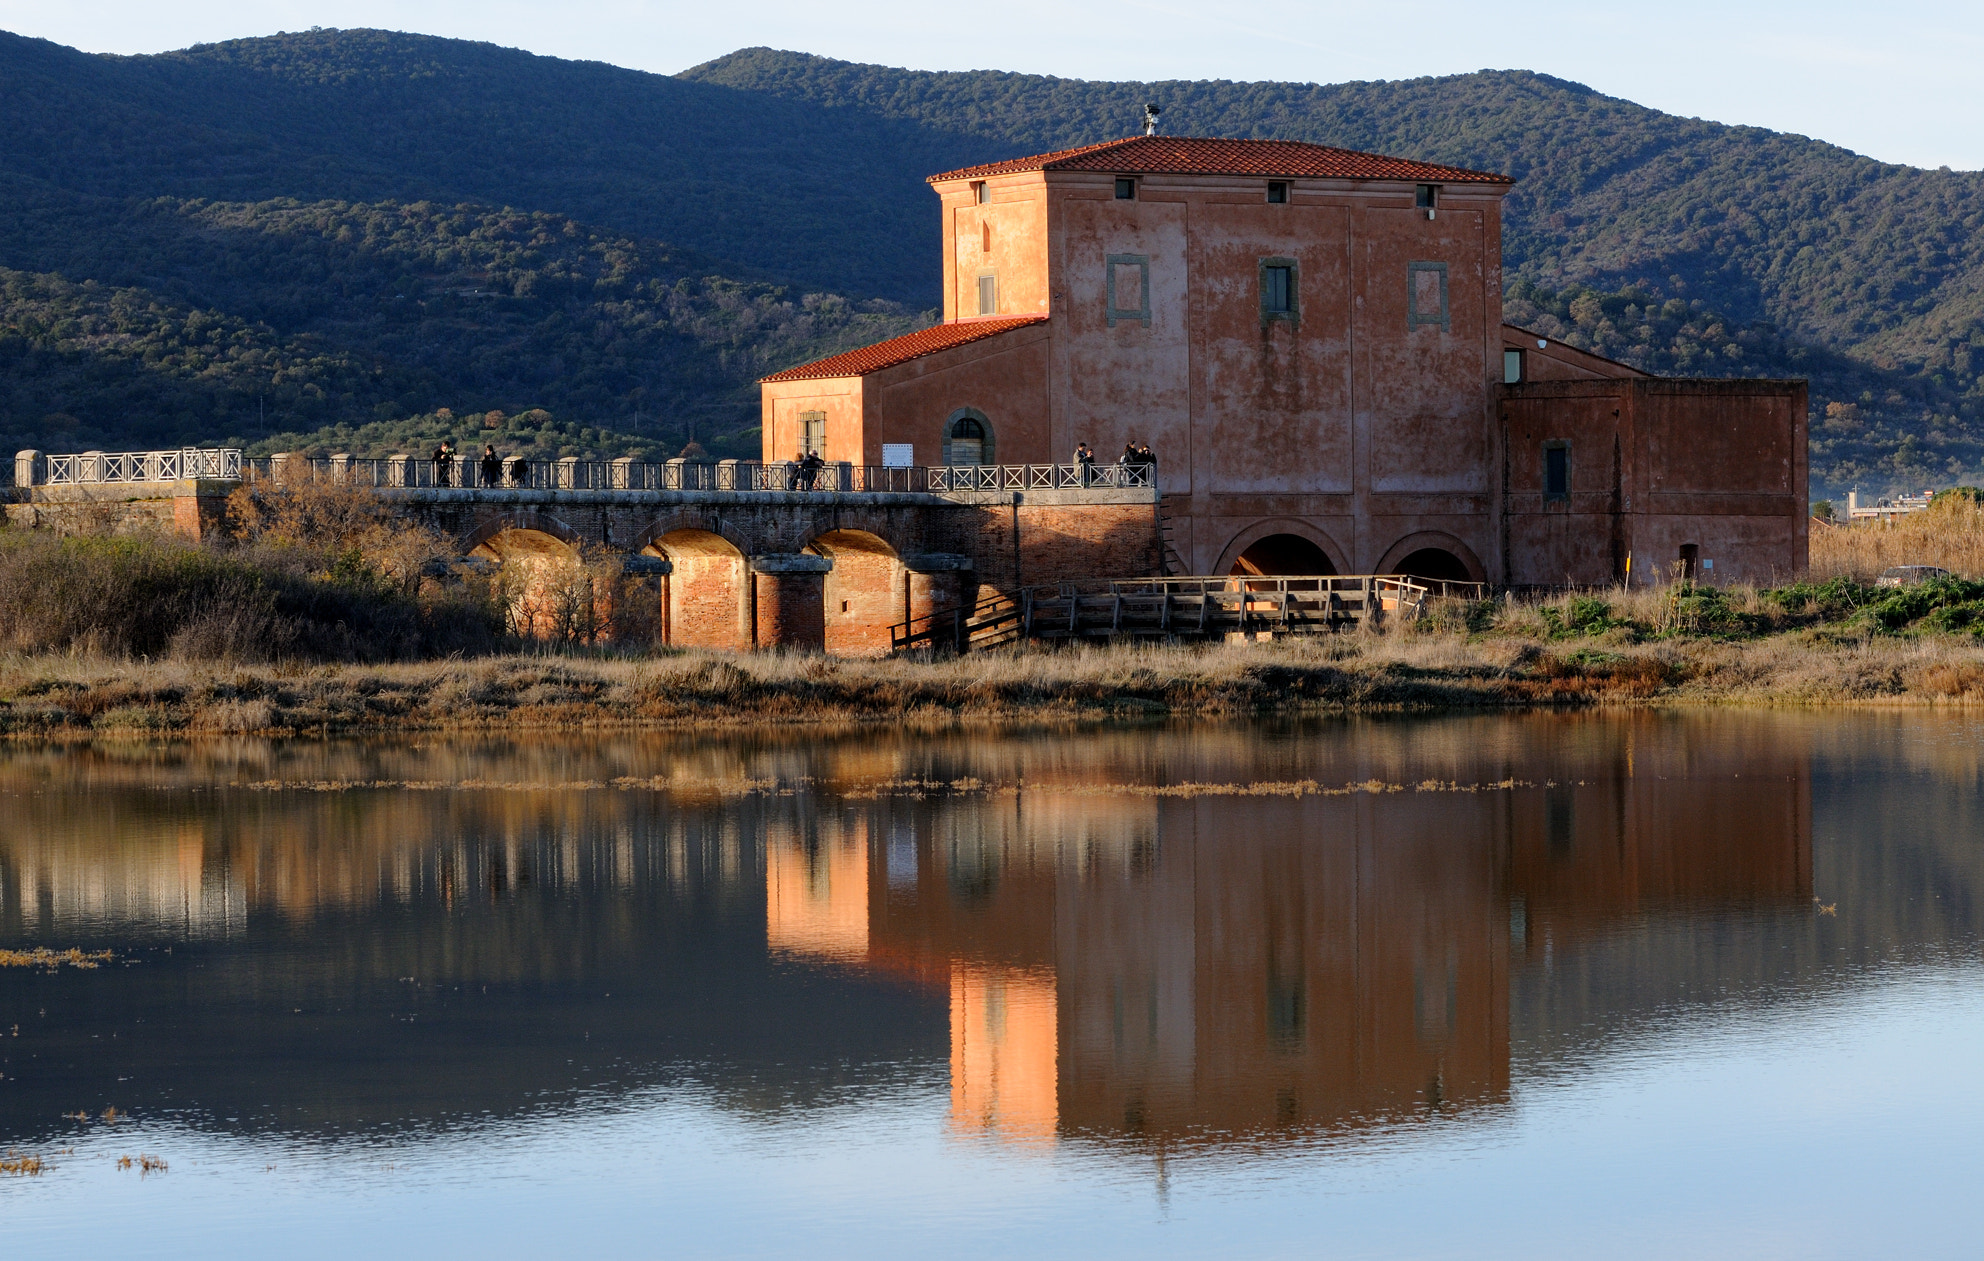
<point>862,592</point>
<point>706,604</point>
<point>968,438</point>
<point>1436,564</point>
<point>1281,554</point>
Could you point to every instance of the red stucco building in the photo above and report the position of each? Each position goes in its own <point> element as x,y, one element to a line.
<point>1311,341</point>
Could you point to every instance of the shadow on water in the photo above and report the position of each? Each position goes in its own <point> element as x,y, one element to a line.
<point>1092,935</point>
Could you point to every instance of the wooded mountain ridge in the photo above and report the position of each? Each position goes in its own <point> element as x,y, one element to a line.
<point>327,238</point>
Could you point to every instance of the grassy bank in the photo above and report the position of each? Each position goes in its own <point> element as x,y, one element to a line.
<point>1423,670</point>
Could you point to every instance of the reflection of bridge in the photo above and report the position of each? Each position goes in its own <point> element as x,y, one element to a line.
<point>731,554</point>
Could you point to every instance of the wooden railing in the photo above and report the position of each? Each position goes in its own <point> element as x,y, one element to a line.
<point>1179,608</point>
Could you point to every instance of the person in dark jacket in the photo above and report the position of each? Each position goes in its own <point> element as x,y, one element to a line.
<point>1085,463</point>
<point>444,461</point>
<point>809,469</point>
<point>492,466</point>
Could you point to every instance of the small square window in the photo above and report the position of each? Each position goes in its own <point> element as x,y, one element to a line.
<point>1126,190</point>
<point>1511,367</point>
<point>1426,196</point>
<point>1277,192</point>
<point>978,193</point>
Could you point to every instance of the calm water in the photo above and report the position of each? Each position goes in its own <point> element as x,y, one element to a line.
<point>1699,985</point>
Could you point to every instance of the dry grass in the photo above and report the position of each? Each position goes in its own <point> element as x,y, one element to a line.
<point>1950,535</point>
<point>21,1166</point>
<point>1523,657</point>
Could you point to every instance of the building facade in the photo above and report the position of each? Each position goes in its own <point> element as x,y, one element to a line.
<point>1310,340</point>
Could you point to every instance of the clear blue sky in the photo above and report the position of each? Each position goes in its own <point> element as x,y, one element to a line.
<point>1901,81</point>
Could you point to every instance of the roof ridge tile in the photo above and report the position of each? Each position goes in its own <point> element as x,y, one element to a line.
<point>1196,155</point>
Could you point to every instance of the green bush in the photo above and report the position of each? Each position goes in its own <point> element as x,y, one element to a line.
<point>1940,599</point>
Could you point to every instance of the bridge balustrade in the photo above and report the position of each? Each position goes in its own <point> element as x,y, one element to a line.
<point>407,472</point>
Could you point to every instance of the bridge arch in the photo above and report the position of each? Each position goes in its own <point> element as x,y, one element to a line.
<point>865,592</point>
<point>1281,545</point>
<point>1434,554</point>
<point>535,534</point>
<point>547,591</point>
<point>706,598</point>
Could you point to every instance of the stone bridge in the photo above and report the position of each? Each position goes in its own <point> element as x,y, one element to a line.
<point>736,563</point>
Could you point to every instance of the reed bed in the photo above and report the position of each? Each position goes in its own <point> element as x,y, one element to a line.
<point>1950,535</point>
<point>1520,663</point>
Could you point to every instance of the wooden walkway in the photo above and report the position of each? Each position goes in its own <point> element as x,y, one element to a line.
<point>1177,609</point>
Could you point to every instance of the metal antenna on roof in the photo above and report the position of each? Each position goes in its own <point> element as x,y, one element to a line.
<point>1151,112</point>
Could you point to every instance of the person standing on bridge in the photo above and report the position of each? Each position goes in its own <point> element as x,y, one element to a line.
<point>444,460</point>
<point>492,466</point>
<point>1147,461</point>
<point>1085,462</point>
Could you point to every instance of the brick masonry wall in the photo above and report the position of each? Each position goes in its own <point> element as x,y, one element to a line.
<point>790,611</point>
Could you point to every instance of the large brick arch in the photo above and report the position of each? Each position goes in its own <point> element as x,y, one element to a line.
<point>485,537</point>
<point>708,593</point>
<point>1433,540</point>
<point>1281,525</point>
<point>864,592</point>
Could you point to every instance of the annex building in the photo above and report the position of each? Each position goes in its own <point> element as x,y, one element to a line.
<point>1310,339</point>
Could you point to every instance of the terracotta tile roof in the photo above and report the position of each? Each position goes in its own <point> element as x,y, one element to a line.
<point>857,363</point>
<point>1180,155</point>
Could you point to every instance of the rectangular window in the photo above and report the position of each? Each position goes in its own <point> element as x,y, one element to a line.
<point>1277,290</point>
<point>1511,367</point>
<point>988,295</point>
<point>978,193</point>
<point>1426,295</point>
<point>1277,192</point>
<point>1126,279</point>
<point>1426,196</point>
<point>1126,190</point>
<point>1556,470</point>
<point>813,431</point>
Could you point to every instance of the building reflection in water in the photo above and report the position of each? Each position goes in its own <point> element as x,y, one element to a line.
<point>1189,970</point>
<point>1145,969</point>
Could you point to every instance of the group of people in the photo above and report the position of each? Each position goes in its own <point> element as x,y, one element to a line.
<point>806,470</point>
<point>1136,455</point>
<point>492,468</point>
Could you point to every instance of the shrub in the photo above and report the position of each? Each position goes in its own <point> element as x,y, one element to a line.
<point>165,597</point>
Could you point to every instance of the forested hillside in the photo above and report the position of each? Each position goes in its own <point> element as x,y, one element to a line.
<point>330,238</point>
